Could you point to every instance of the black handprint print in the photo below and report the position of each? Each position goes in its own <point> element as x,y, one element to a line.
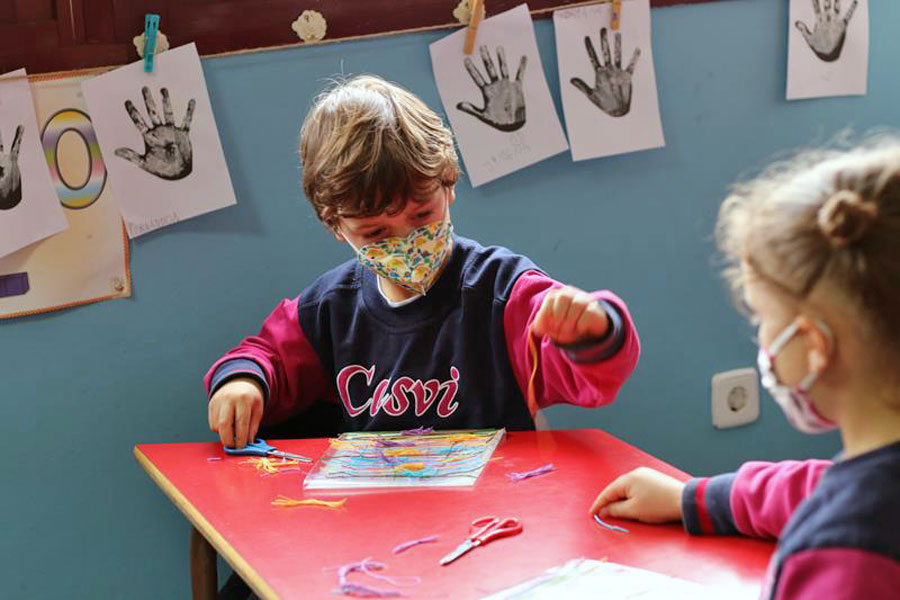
<point>827,37</point>
<point>504,101</point>
<point>612,86</point>
<point>167,148</point>
<point>10,178</point>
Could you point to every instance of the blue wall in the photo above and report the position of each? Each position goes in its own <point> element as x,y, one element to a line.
<point>80,388</point>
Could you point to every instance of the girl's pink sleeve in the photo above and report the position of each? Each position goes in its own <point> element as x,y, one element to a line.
<point>837,574</point>
<point>756,501</point>
<point>586,374</point>
<point>281,359</point>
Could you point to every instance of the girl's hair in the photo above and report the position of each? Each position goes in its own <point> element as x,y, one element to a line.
<point>827,215</point>
<point>368,145</point>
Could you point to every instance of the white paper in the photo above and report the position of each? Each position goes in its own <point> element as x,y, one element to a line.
<point>87,262</point>
<point>611,107</point>
<point>160,140</point>
<point>592,579</point>
<point>504,84</point>
<point>828,48</point>
<point>29,208</point>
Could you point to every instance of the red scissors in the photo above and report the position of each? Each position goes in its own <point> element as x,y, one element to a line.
<point>484,530</point>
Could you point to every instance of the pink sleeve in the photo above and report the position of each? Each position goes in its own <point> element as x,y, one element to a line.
<point>283,357</point>
<point>764,495</point>
<point>837,574</point>
<point>559,379</point>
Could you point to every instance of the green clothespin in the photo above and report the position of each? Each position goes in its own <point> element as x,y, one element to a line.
<point>151,28</point>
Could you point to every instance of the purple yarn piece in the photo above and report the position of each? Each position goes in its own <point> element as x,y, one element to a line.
<point>392,443</point>
<point>413,543</point>
<point>417,431</point>
<point>367,566</point>
<point>387,459</point>
<point>534,473</point>
<point>358,590</point>
<point>603,523</point>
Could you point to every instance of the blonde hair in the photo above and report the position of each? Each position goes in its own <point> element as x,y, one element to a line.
<point>367,146</point>
<point>825,215</point>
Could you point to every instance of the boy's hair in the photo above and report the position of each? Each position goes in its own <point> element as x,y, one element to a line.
<point>367,146</point>
<point>825,215</point>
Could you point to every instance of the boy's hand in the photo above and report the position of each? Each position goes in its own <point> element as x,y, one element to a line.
<point>235,411</point>
<point>643,495</point>
<point>570,315</point>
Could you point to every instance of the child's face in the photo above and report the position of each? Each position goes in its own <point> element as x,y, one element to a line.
<point>772,312</point>
<point>418,212</point>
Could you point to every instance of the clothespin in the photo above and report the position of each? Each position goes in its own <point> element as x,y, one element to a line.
<point>474,22</point>
<point>616,14</point>
<point>151,27</point>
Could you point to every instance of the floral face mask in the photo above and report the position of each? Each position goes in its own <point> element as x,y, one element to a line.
<point>413,262</point>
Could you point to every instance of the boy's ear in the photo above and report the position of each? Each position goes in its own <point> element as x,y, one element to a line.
<point>452,195</point>
<point>819,344</point>
<point>337,234</point>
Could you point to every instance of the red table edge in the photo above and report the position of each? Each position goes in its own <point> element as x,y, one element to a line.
<point>225,550</point>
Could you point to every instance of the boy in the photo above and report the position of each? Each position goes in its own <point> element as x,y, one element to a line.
<point>426,328</point>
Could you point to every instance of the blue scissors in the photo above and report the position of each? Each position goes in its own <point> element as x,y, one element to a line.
<point>259,447</point>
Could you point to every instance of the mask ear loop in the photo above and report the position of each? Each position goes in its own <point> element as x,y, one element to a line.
<point>811,378</point>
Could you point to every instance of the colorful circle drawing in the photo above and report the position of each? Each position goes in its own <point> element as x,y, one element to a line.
<point>78,122</point>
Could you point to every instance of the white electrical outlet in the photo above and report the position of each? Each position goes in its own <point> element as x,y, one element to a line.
<point>735,398</point>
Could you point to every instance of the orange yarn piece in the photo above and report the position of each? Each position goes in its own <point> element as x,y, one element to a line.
<point>282,500</point>
<point>410,467</point>
<point>403,451</point>
<point>270,465</point>
<point>530,398</point>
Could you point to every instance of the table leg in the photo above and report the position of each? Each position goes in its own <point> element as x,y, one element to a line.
<point>204,580</point>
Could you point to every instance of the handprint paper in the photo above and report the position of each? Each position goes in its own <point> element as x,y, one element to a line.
<point>609,98</point>
<point>828,48</point>
<point>497,99</point>
<point>158,136</point>
<point>88,261</point>
<point>29,208</point>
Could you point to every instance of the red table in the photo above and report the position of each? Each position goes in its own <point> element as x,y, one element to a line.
<point>286,552</point>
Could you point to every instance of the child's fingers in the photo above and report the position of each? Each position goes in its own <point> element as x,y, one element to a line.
<point>571,327</point>
<point>623,509</point>
<point>241,424</point>
<point>212,414</point>
<point>226,425</point>
<point>541,324</point>
<point>593,322</point>
<point>615,491</point>
<point>255,419</point>
<point>557,303</point>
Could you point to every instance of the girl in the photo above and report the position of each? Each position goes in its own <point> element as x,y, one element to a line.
<point>814,248</point>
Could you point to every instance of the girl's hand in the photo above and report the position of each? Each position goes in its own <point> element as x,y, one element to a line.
<point>235,411</point>
<point>643,495</point>
<point>570,315</point>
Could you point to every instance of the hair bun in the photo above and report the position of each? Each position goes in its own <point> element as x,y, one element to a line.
<point>846,217</point>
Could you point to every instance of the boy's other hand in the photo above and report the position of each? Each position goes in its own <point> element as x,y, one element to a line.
<point>644,495</point>
<point>235,411</point>
<point>569,315</point>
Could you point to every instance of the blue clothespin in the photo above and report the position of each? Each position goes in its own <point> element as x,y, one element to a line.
<point>151,27</point>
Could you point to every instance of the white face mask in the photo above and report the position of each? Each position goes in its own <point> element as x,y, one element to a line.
<point>794,401</point>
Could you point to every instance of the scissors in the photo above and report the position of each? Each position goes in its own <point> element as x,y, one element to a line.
<point>259,447</point>
<point>484,530</point>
